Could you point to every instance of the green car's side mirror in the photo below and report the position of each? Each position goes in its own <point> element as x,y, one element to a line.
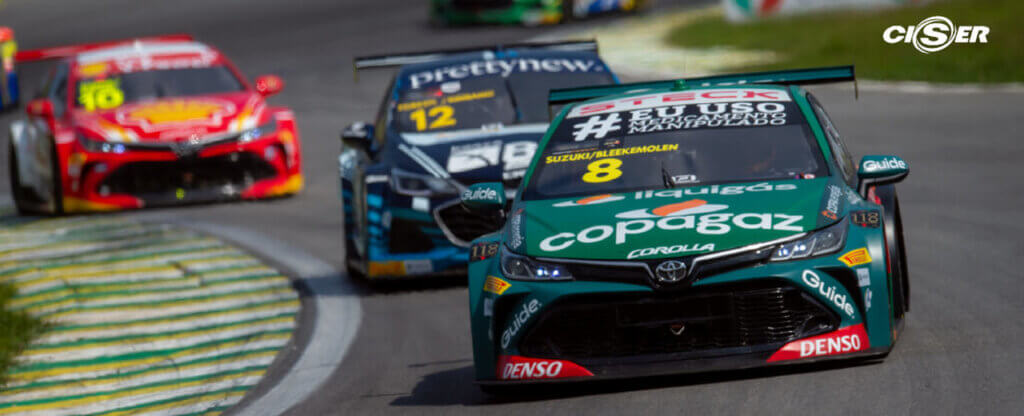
<point>880,170</point>
<point>484,197</point>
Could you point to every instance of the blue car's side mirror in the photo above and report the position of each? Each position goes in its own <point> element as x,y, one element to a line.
<point>484,197</point>
<point>358,135</point>
<point>880,170</point>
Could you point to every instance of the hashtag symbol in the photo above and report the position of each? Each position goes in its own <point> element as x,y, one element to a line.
<point>596,126</point>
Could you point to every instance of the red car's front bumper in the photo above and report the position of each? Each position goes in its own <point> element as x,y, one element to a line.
<point>127,177</point>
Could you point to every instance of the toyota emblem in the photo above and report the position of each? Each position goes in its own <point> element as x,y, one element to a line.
<point>670,271</point>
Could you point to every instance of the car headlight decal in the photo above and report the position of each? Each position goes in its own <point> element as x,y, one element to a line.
<point>259,131</point>
<point>825,241</point>
<point>412,184</point>
<point>519,267</point>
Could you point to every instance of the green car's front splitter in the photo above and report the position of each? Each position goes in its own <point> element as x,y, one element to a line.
<point>830,307</point>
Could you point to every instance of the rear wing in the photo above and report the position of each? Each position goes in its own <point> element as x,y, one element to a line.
<point>59,52</point>
<point>401,59</point>
<point>806,76</point>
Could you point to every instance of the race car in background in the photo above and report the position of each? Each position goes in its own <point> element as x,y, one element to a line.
<point>147,122</point>
<point>526,12</point>
<point>9,96</point>
<point>688,225</point>
<point>449,119</point>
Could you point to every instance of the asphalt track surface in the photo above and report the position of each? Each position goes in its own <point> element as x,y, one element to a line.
<point>961,350</point>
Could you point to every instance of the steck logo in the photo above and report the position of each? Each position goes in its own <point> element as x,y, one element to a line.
<point>935,34</point>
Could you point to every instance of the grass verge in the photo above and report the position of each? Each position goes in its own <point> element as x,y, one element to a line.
<point>16,330</point>
<point>838,38</point>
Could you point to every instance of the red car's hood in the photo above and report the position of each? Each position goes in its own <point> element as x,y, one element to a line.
<point>174,119</point>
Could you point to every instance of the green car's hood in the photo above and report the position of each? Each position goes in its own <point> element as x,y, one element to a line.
<point>673,222</point>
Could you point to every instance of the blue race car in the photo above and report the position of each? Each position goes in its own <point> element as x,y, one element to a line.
<point>449,119</point>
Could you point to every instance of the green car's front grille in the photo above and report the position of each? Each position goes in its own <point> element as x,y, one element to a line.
<point>752,316</point>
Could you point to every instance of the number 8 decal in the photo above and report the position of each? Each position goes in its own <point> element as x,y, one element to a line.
<point>603,170</point>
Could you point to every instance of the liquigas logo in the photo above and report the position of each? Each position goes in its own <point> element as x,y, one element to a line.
<point>680,193</point>
<point>935,34</point>
<point>673,217</point>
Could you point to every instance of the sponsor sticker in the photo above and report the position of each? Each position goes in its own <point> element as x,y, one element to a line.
<point>519,319</point>
<point>496,285</point>
<point>503,67</point>
<point>842,341</point>
<point>644,102</point>
<point>516,228</point>
<point>866,218</point>
<point>418,266</point>
<point>830,292</point>
<point>831,210</point>
<point>863,277</point>
<point>482,251</point>
<point>672,217</point>
<point>856,257</point>
<point>488,307</point>
<point>934,34</point>
<point>891,163</point>
<point>176,114</point>
<point>514,367</point>
<point>591,200</point>
<point>679,249</point>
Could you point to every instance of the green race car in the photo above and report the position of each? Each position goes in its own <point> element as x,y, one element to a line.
<point>688,225</point>
<point>526,12</point>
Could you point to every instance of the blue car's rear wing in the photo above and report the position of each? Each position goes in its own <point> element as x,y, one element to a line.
<point>400,59</point>
<point>792,77</point>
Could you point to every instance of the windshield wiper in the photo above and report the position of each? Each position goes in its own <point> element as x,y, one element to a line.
<point>666,178</point>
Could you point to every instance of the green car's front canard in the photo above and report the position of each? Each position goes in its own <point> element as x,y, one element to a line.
<point>689,225</point>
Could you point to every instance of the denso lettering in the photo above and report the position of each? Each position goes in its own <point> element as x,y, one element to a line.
<point>828,346</point>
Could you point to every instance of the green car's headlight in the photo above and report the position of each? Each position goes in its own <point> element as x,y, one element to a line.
<point>519,267</point>
<point>412,184</point>
<point>824,241</point>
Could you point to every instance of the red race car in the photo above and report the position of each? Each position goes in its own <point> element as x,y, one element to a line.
<point>148,122</point>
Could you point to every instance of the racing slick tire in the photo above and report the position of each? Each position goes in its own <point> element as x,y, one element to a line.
<point>17,193</point>
<point>58,187</point>
<point>351,257</point>
<point>896,249</point>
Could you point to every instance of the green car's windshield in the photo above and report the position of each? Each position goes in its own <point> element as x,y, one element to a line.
<point>676,140</point>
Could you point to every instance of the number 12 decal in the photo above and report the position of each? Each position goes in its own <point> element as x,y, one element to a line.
<point>435,118</point>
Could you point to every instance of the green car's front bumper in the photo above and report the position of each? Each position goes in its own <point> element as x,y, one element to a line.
<point>611,322</point>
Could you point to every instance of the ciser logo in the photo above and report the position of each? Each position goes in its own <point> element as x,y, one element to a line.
<point>935,34</point>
